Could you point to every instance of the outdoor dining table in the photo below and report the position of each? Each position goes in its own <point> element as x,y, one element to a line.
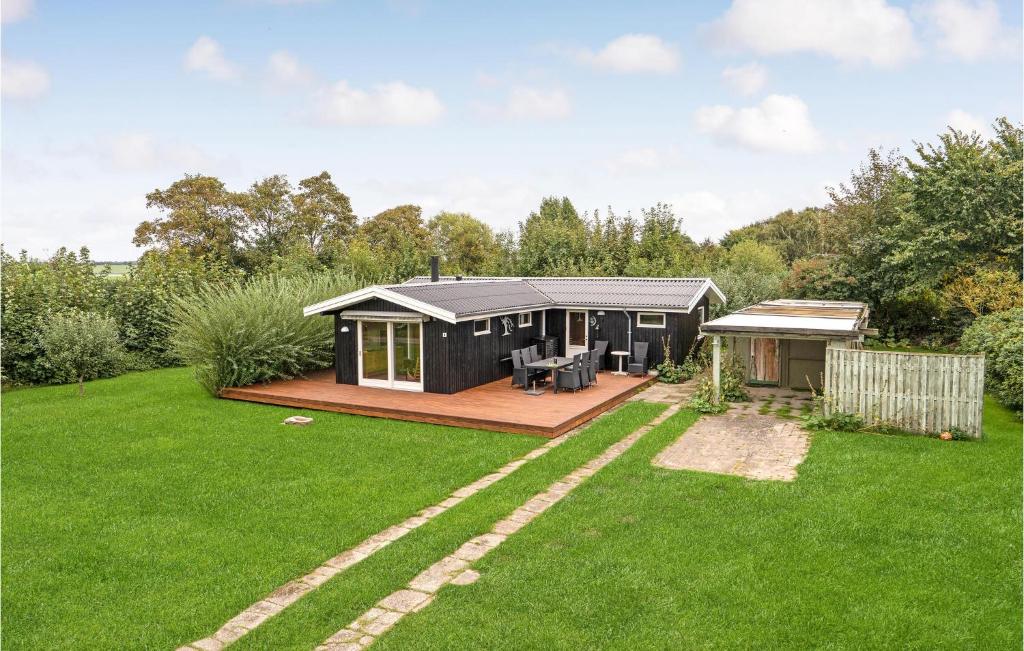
<point>549,364</point>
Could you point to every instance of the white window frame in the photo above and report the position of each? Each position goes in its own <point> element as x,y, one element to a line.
<point>641,315</point>
<point>485,332</point>
<point>700,315</point>
<point>525,319</point>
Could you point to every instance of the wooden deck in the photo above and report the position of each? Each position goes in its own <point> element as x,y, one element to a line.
<point>494,406</point>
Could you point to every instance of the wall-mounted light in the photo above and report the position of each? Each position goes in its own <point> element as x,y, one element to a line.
<point>600,313</point>
<point>344,329</point>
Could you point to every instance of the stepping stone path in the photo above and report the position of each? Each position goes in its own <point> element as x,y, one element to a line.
<point>289,593</point>
<point>739,442</point>
<point>421,591</point>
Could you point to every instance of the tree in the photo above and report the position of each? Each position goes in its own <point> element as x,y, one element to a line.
<point>323,214</point>
<point>201,216</point>
<point>552,240</point>
<point>266,219</point>
<point>998,337</point>
<point>399,239</point>
<point>466,244</point>
<point>662,247</point>
<point>84,344</point>
<point>796,234</point>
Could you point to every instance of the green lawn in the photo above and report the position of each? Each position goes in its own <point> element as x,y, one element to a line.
<point>882,542</point>
<point>148,513</point>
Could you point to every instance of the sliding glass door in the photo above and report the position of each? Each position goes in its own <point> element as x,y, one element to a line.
<point>390,354</point>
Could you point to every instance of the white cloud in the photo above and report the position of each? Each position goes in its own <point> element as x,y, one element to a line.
<point>779,123</point>
<point>851,31</point>
<point>23,79</point>
<point>11,11</point>
<point>746,80</point>
<point>142,151</point>
<point>525,103</point>
<point>634,53</point>
<point>971,30</point>
<point>285,69</point>
<point>643,159</point>
<point>207,56</point>
<point>393,103</point>
<point>963,121</point>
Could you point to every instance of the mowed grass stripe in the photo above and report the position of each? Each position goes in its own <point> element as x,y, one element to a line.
<point>881,542</point>
<point>147,513</point>
<point>319,615</point>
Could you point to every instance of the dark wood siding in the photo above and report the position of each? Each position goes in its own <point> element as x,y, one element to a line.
<point>378,305</point>
<point>346,369</point>
<point>555,325</point>
<point>613,327</point>
<point>455,359</point>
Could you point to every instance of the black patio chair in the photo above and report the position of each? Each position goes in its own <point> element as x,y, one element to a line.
<point>600,349</point>
<point>638,362</point>
<point>585,370</point>
<point>569,378</point>
<point>592,368</point>
<point>520,374</point>
<point>535,352</point>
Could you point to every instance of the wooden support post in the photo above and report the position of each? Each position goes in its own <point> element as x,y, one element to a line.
<point>716,365</point>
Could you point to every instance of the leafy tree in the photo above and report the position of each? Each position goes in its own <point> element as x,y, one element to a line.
<point>662,246</point>
<point>201,216</point>
<point>83,344</point>
<point>552,240</point>
<point>795,234</point>
<point>399,240</point>
<point>984,291</point>
<point>466,244</point>
<point>323,214</point>
<point>266,219</point>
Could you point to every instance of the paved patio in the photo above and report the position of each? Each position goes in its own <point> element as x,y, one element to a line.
<point>740,442</point>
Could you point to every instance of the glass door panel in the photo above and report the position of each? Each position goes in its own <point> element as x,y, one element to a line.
<point>406,354</point>
<point>374,352</point>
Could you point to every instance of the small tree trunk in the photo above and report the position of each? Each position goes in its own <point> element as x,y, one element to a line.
<point>81,385</point>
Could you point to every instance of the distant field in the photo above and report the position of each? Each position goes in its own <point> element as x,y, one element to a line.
<point>116,269</point>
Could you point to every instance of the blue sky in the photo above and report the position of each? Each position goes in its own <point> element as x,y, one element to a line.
<point>730,111</point>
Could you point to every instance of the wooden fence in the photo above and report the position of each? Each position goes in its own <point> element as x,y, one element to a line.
<point>912,391</point>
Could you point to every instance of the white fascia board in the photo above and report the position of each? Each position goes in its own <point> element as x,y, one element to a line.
<point>360,295</point>
<point>709,285</point>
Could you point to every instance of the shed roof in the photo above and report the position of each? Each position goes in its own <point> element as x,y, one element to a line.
<point>839,319</point>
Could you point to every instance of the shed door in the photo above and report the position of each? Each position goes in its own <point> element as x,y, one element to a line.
<point>764,361</point>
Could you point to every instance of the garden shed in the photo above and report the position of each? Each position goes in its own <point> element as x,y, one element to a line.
<point>782,342</point>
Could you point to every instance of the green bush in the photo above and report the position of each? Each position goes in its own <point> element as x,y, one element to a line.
<point>998,337</point>
<point>82,346</point>
<point>143,301</point>
<point>31,291</point>
<point>837,421</point>
<point>243,333</point>
<point>732,390</point>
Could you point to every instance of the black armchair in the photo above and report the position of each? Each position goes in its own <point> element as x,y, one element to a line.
<point>638,362</point>
<point>600,349</point>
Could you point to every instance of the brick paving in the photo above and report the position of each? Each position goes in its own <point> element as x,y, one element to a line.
<point>740,442</point>
<point>421,591</point>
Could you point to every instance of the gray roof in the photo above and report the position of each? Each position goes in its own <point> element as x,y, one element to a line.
<point>452,300</point>
<point>464,298</point>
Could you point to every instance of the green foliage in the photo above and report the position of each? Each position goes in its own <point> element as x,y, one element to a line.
<point>143,301</point>
<point>31,292</point>
<point>998,336</point>
<point>395,244</point>
<point>254,331</point>
<point>795,235</point>
<point>731,386</point>
<point>836,421</point>
<point>670,372</point>
<point>82,346</point>
<point>465,244</point>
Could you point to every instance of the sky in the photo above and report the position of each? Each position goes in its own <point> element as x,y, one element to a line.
<point>729,111</point>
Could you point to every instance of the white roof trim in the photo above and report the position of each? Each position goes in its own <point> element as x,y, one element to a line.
<point>708,285</point>
<point>383,293</point>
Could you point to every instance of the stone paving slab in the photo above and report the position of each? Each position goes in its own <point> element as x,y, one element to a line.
<point>740,442</point>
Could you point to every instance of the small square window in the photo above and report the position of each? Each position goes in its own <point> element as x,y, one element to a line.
<point>482,327</point>
<point>525,319</point>
<point>650,320</point>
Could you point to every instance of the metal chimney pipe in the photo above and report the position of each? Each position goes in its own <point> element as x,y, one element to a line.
<point>435,271</point>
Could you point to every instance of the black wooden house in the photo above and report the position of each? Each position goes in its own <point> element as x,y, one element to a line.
<point>443,334</point>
